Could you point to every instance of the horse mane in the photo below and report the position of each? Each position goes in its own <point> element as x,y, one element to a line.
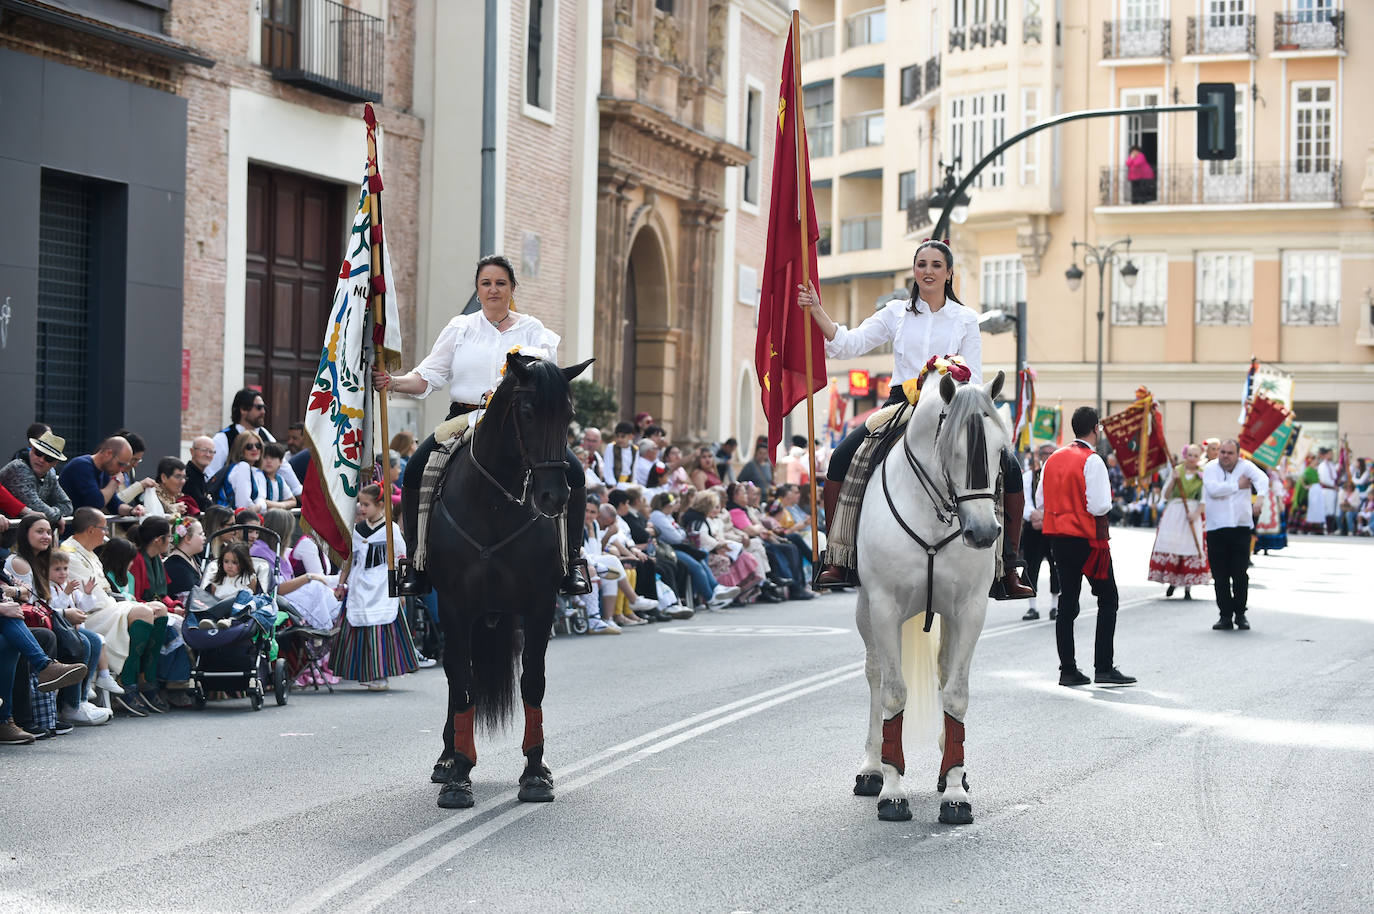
<point>545,377</point>
<point>969,402</point>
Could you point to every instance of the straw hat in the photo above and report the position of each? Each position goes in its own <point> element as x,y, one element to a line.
<point>50,445</point>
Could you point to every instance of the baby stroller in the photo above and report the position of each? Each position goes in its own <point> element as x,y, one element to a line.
<point>244,656</point>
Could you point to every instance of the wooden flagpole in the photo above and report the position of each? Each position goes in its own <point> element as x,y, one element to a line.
<point>377,305</point>
<point>799,138</point>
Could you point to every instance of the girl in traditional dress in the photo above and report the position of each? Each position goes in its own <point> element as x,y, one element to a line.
<point>374,641</point>
<point>1179,558</point>
<point>1271,527</point>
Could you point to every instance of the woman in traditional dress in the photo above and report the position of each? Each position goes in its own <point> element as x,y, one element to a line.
<point>1179,558</point>
<point>1271,527</point>
<point>466,361</point>
<point>931,324</point>
<point>374,641</point>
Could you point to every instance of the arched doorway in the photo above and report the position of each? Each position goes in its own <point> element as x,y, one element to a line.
<point>648,356</point>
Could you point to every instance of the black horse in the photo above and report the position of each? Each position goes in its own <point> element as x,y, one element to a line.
<point>494,561</point>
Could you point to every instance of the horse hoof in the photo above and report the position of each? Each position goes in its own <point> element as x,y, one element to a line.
<point>941,783</point>
<point>898,810</point>
<point>536,790</point>
<point>442,769</point>
<point>868,785</point>
<point>456,795</point>
<point>956,812</point>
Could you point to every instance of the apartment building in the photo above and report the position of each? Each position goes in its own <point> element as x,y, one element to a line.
<point>1269,255</point>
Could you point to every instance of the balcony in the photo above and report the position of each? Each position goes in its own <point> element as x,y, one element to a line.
<point>1225,184</point>
<point>326,47</point>
<point>1309,30</point>
<point>862,130</point>
<point>818,43</point>
<point>1032,29</point>
<point>928,85</point>
<point>823,242</point>
<point>1135,39</point>
<point>820,140</point>
<point>867,27</point>
<point>1224,34</point>
<point>1309,313</point>
<point>958,39</point>
<point>918,214</point>
<point>862,233</point>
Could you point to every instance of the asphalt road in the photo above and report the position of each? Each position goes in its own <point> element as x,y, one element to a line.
<point>706,766</point>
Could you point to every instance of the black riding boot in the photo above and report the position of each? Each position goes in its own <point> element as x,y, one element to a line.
<point>413,582</point>
<point>577,581</point>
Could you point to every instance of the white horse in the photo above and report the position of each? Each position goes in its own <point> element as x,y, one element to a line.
<point>925,539</point>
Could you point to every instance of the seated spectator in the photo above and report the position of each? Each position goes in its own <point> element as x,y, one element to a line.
<point>16,642</point>
<point>184,564</point>
<point>608,572</point>
<point>171,491</point>
<point>245,486</point>
<point>403,443</point>
<point>215,518</point>
<point>591,441</point>
<point>634,512</point>
<point>68,597</point>
<point>702,470</point>
<point>795,521</point>
<point>759,471</point>
<point>231,573</point>
<point>35,430</point>
<point>620,457</point>
<point>615,541</point>
<point>590,474</point>
<point>277,494</point>
<point>295,439</point>
<point>93,480</point>
<point>141,674</point>
<point>34,480</point>
<point>202,450</point>
<point>248,412</point>
<point>708,592</point>
<point>725,460</point>
<point>648,472</point>
<point>675,478</point>
<point>311,593</point>
<point>139,449</point>
<point>728,561</point>
<point>658,436</point>
<point>784,562</point>
<point>1348,508</point>
<point>11,509</point>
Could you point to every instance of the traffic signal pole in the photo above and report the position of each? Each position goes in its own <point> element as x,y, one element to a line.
<point>942,227</point>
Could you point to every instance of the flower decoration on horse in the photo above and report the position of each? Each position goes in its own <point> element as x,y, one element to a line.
<point>952,365</point>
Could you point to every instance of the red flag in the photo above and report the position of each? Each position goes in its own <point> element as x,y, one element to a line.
<point>1138,427</point>
<point>1262,419</point>
<point>780,351</point>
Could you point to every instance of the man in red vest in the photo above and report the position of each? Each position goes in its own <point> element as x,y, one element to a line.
<point>1077,496</point>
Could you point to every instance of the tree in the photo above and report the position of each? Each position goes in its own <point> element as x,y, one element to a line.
<point>594,405</point>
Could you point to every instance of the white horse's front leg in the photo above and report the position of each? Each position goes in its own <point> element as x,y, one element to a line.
<point>960,636</point>
<point>869,781</point>
<point>887,639</point>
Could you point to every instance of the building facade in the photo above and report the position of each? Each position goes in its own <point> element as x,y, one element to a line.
<point>1270,255</point>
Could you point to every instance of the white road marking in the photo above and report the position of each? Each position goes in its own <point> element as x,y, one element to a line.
<point>782,630</point>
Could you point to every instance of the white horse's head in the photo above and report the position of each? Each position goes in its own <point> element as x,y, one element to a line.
<point>969,436</point>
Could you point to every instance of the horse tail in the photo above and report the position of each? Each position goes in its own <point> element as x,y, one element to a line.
<point>495,665</point>
<point>921,671</point>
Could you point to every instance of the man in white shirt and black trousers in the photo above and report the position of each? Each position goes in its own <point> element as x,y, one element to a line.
<point>1077,496</point>
<point>1226,484</point>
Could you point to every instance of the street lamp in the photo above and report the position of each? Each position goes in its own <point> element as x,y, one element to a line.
<point>1102,255</point>
<point>940,198</point>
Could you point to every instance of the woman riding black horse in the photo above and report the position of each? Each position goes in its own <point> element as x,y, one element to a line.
<point>467,360</point>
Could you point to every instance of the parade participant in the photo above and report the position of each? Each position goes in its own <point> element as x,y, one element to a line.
<point>1230,517</point>
<point>1271,527</point>
<point>619,460</point>
<point>34,481</point>
<point>374,641</point>
<point>1348,508</point>
<point>1212,448</point>
<point>466,360</point>
<point>1035,545</point>
<point>1077,497</point>
<point>1178,559</point>
<point>1321,495</point>
<point>931,324</point>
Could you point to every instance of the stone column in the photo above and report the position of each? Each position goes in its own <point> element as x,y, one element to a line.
<point>696,284</point>
<point>612,212</point>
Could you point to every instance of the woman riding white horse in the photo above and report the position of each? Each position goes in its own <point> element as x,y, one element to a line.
<point>932,323</point>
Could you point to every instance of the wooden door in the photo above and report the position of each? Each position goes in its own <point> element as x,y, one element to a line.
<point>295,237</point>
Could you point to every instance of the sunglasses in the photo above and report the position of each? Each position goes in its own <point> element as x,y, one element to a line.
<point>252,447</point>
<point>44,457</point>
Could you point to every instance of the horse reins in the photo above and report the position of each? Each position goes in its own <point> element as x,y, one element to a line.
<point>946,503</point>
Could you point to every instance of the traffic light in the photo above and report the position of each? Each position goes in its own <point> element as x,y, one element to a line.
<point>1216,124</point>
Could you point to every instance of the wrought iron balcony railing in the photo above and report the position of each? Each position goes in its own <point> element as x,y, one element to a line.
<point>918,213</point>
<point>1309,30</point>
<point>1224,313</point>
<point>823,242</point>
<point>327,47</point>
<point>1221,34</point>
<point>1312,313</point>
<point>1126,38</point>
<point>1032,29</point>
<point>997,32</point>
<point>1224,184</point>
<point>932,80</point>
<point>958,39</point>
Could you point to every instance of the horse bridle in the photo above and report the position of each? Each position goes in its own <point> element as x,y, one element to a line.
<point>946,502</point>
<point>531,467</point>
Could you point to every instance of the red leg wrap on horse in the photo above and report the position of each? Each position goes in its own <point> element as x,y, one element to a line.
<point>534,729</point>
<point>892,743</point>
<point>463,742</point>
<point>954,745</point>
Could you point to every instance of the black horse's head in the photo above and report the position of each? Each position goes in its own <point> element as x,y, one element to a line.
<point>533,404</point>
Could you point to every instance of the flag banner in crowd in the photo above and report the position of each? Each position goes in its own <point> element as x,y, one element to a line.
<point>1262,419</point>
<point>780,351</point>
<point>1047,422</point>
<point>1302,446</point>
<point>835,419</point>
<point>1025,410</point>
<point>1274,385</point>
<point>1271,451</point>
<point>338,411</point>
<point>1137,436</point>
<point>1249,389</point>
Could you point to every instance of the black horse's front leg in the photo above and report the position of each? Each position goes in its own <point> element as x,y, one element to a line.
<point>459,755</point>
<point>536,781</point>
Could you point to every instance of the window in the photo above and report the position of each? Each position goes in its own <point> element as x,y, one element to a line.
<point>906,189</point>
<point>1312,288</point>
<point>1003,283</point>
<point>1314,10</point>
<point>819,106</point>
<point>818,42</point>
<point>977,105</point>
<point>752,128</point>
<point>862,233</point>
<point>1146,304</point>
<point>1313,120</point>
<point>911,83</point>
<point>957,107</point>
<point>1142,11</point>
<point>997,132</point>
<point>539,55</point>
<point>65,289</point>
<point>960,14</point>
<point>1030,148</point>
<point>664,5</point>
<point>1225,287</point>
<point>280,33</point>
<point>867,27</point>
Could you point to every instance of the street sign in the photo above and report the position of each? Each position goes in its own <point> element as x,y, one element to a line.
<point>1216,123</point>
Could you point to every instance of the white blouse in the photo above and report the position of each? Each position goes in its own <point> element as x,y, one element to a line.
<point>953,330</point>
<point>469,354</point>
